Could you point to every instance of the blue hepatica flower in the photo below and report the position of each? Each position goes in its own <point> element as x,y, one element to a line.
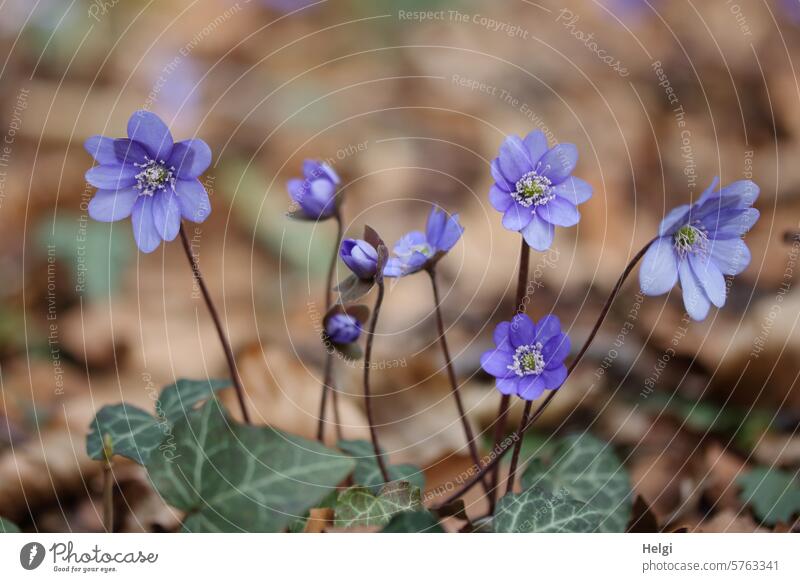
<point>315,194</point>
<point>700,243</point>
<point>150,178</point>
<point>360,257</point>
<point>529,357</point>
<point>343,328</point>
<point>416,249</point>
<point>534,188</point>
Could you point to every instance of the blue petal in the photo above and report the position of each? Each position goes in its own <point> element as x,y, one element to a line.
<point>500,335</point>
<point>435,225</point>
<point>148,129</point>
<point>539,234</point>
<point>573,189</point>
<point>452,233</point>
<point>409,242</point>
<point>560,212</point>
<point>112,177</point>
<point>732,255</point>
<point>393,268</point>
<point>554,378</point>
<point>112,205</point>
<point>556,350</point>
<point>129,151</point>
<point>522,331</point>
<point>144,228</point>
<point>190,158</point>
<point>547,328</point>
<point>296,189</point>
<point>710,277</point>
<point>507,386</point>
<point>559,162</point>
<point>710,191</point>
<point>745,191</point>
<point>676,218</point>
<point>735,224</point>
<point>500,199</point>
<point>101,149</point>
<point>513,159</point>
<point>536,142</point>
<point>499,178</point>
<point>193,200</point>
<point>323,193</point>
<point>496,363</point>
<point>531,387</point>
<point>314,170</point>
<point>166,215</point>
<point>694,299</point>
<point>659,271</point>
<point>517,217</point>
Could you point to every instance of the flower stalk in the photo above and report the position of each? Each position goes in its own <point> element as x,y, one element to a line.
<point>108,485</point>
<point>226,346</point>
<point>367,392</point>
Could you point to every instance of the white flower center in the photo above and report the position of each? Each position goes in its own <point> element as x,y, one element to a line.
<point>690,239</point>
<point>533,190</point>
<point>154,176</point>
<point>528,360</point>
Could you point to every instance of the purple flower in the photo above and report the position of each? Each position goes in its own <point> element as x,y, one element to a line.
<point>360,257</point>
<point>315,194</point>
<point>415,249</point>
<point>791,9</point>
<point>529,357</point>
<point>343,328</point>
<point>699,244</point>
<point>149,178</point>
<point>534,189</point>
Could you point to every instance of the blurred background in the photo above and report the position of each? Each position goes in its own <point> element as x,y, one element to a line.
<point>409,101</point>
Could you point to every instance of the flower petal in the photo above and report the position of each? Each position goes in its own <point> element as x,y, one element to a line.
<point>190,158</point>
<point>522,331</point>
<point>112,205</point>
<point>531,387</point>
<point>558,163</point>
<point>500,335</point>
<point>559,211</point>
<point>556,350</point>
<point>513,159</point>
<point>735,224</point>
<point>745,191</point>
<point>499,199</point>
<point>676,218</point>
<point>315,170</point>
<point>710,278</point>
<point>500,180</point>
<point>435,225</point>
<point>547,328</point>
<point>694,299</point>
<point>166,215</point>
<point>573,189</point>
<point>112,177</point>
<point>496,363</point>
<point>148,129</point>
<point>517,217</point>
<point>554,378</point>
<point>659,271</point>
<point>536,143</point>
<point>507,386</point>
<point>144,228</point>
<point>296,188</point>
<point>193,200</point>
<point>539,234</point>
<point>129,151</point>
<point>101,149</point>
<point>732,255</point>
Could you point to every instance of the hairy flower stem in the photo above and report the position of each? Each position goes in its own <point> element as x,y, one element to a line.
<point>328,374</point>
<point>108,485</point>
<point>512,471</point>
<point>226,346</point>
<point>471,444</point>
<point>367,393</point>
<point>516,436</point>
<point>505,401</point>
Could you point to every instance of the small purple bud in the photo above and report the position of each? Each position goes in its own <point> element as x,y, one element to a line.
<point>343,328</point>
<point>360,257</point>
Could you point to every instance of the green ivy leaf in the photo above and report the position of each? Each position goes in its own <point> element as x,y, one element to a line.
<point>134,433</point>
<point>537,510</point>
<point>368,473</point>
<point>774,495</point>
<point>357,506</point>
<point>590,472</point>
<point>177,399</point>
<point>414,522</point>
<point>7,527</point>
<point>233,477</point>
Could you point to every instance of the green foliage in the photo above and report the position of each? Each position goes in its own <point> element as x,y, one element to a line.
<point>774,495</point>
<point>368,472</point>
<point>358,507</point>
<point>230,477</point>
<point>134,433</point>
<point>538,510</point>
<point>420,521</point>
<point>587,471</point>
<point>7,527</point>
<point>178,398</point>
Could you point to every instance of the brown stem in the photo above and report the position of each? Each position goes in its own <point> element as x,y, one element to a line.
<point>367,393</point>
<point>505,401</point>
<point>327,381</point>
<point>108,485</point>
<point>512,471</point>
<point>471,444</point>
<point>520,432</point>
<point>226,346</point>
